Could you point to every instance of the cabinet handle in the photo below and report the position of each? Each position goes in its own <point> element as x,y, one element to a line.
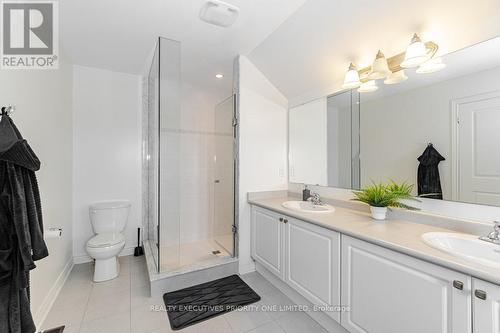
<point>281,219</point>
<point>481,294</point>
<point>458,285</point>
<point>285,221</point>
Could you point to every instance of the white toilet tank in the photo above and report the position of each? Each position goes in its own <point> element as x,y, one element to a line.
<point>109,216</point>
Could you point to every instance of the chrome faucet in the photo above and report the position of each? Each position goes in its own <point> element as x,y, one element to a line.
<point>315,199</point>
<point>494,236</point>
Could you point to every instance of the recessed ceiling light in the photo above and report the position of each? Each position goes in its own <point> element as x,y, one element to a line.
<point>219,76</point>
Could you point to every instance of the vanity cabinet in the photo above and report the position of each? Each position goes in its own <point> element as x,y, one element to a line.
<point>486,307</point>
<point>383,291</point>
<point>312,265</point>
<point>304,256</point>
<point>267,240</point>
<point>389,292</point>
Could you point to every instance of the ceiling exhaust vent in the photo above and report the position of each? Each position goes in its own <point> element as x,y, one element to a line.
<point>219,13</point>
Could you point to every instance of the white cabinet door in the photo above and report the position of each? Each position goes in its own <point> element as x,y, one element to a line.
<point>486,307</point>
<point>389,292</point>
<point>267,240</point>
<point>313,264</point>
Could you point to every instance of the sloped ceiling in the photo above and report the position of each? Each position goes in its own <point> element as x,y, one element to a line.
<point>307,56</point>
<point>120,35</point>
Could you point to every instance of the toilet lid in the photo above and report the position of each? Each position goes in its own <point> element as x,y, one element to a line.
<point>103,240</point>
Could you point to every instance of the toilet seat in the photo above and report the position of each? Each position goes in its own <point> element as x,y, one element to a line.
<point>105,240</point>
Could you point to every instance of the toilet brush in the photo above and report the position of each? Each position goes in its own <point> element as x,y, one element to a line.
<point>139,250</point>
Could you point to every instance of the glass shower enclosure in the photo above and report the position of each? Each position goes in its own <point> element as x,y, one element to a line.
<point>190,170</point>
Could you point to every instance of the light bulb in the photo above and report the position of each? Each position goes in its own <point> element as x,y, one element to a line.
<point>416,53</point>
<point>351,79</point>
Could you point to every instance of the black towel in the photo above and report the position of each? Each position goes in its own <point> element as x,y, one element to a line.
<point>429,184</point>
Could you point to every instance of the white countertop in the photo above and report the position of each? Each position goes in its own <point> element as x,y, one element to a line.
<point>399,235</point>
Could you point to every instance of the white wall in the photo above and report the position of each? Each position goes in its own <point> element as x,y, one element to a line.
<point>43,115</point>
<point>396,129</point>
<point>262,145</point>
<point>107,149</point>
<point>308,143</point>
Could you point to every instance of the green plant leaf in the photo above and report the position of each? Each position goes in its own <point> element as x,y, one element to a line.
<point>390,195</point>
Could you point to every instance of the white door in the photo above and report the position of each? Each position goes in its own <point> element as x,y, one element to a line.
<point>486,307</point>
<point>313,264</point>
<point>389,292</point>
<point>267,240</point>
<point>479,149</point>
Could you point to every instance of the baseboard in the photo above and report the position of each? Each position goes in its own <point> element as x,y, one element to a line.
<point>248,268</point>
<point>81,259</point>
<point>51,296</point>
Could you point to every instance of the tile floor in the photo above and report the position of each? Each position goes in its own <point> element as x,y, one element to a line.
<point>124,305</point>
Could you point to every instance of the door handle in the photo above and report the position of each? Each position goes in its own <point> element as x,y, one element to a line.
<point>458,285</point>
<point>481,294</point>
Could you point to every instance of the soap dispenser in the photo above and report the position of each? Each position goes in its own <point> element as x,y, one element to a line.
<point>306,193</point>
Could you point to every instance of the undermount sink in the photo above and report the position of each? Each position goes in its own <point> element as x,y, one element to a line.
<point>308,207</point>
<point>465,246</point>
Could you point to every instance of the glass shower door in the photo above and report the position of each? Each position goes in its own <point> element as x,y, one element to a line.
<point>224,166</point>
<point>169,152</point>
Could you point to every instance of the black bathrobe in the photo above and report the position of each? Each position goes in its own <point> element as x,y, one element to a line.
<point>429,183</point>
<point>21,228</point>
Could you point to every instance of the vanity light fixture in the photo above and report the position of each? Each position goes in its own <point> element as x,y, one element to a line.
<point>351,79</point>
<point>416,53</point>
<point>368,86</point>
<point>396,77</point>
<point>380,68</point>
<point>219,76</point>
<point>431,66</point>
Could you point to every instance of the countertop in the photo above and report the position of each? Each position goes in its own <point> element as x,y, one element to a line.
<point>399,235</point>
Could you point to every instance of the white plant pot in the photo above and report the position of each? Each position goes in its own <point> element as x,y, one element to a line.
<point>378,213</point>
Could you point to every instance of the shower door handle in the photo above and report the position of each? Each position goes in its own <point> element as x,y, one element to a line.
<point>217,181</point>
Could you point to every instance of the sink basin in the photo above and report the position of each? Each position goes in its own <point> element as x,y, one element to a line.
<point>465,246</point>
<point>307,207</point>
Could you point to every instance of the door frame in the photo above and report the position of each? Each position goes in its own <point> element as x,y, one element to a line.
<point>455,131</point>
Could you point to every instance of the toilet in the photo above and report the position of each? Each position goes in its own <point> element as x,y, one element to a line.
<point>108,220</point>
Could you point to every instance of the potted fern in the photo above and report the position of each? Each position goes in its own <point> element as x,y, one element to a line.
<point>382,196</point>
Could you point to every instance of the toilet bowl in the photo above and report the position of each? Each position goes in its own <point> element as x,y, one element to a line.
<point>108,220</point>
<point>104,248</point>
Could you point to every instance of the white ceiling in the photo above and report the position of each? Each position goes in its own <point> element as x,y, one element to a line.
<point>120,35</point>
<point>307,56</point>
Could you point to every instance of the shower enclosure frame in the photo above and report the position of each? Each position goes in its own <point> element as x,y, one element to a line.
<point>153,201</point>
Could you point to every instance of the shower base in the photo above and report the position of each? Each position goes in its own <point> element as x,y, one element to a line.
<point>188,254</point>
<point>195,264</point>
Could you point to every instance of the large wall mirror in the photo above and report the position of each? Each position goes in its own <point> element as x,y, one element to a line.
<point>448,121</point>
